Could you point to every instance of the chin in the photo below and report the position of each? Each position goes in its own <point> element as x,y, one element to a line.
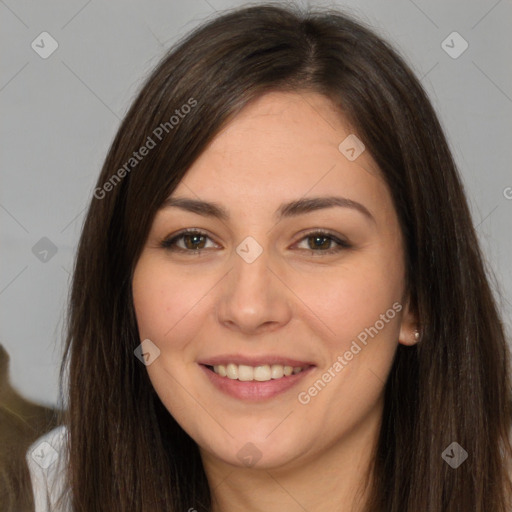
<point>259,450</point>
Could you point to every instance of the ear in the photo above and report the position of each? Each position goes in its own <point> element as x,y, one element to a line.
<point>408,327</point>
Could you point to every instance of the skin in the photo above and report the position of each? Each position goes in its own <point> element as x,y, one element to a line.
<point>292,300</point>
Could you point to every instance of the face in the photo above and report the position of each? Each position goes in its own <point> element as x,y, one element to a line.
<point>286,253</point>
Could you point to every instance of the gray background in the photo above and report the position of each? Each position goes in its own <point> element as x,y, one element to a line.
<point>60,114</point>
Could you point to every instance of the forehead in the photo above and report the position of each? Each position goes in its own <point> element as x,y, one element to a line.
<point>283,146</point>
<point>281,127</point>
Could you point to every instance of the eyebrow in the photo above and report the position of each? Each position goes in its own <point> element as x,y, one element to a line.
<point>286,210</point>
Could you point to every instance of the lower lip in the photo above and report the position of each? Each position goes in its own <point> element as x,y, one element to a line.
<point>255,391</point>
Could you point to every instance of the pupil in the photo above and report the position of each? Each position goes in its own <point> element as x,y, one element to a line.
<point>321,242</point>
<point>194,240</point>
<point>318,244</point>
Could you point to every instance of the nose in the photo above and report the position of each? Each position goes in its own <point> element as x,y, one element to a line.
<point>253,299</point>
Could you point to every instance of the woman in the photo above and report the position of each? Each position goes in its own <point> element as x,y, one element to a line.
<point>279,302</point>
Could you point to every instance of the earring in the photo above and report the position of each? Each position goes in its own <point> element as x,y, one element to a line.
<point>416,334</point>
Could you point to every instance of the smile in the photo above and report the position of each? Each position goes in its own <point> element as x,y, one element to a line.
<point>254,383</point>
<point>261,373</point>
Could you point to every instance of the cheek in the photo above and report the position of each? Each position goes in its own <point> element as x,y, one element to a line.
<point>353,297</point>
<point>161,299</point>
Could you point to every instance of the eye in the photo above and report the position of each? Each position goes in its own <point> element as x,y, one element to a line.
<point>195,241</point>
<point>187,241</point>
<point>322,242</point>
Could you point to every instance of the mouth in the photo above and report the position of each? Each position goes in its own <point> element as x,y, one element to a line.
<point>261,373</point>
<point>256,382</point>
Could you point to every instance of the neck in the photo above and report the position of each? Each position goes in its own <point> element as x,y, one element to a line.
<point>337,478</point>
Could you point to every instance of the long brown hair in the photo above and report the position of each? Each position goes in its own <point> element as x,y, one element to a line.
<point>127,453</point>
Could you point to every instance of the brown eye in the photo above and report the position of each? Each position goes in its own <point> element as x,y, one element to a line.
<point>187,241</point>
<point>196,241</point>
<point>319,242</point>
<point>323,243</point>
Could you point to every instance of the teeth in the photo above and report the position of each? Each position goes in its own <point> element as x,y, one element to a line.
<point>232,371</point>
<point>221,370</point>
<point>262,373</point>
<point>276,371</point>
<point>245,372</point>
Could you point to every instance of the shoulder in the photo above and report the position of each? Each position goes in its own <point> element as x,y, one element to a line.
<point>47,463</point>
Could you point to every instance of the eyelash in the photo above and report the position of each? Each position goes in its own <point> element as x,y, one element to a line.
<point>170,243</point>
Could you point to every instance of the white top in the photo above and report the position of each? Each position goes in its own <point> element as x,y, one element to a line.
<point>47,462</point>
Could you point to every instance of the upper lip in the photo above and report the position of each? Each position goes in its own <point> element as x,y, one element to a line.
<point>254,360</point>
